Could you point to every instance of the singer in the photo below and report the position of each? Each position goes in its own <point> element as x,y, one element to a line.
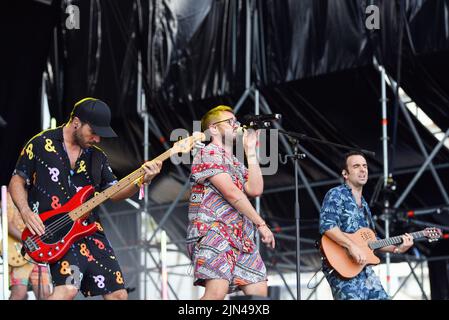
<point>222,221</point>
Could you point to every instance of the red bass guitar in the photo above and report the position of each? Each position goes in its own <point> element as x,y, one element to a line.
<point>67,224</point>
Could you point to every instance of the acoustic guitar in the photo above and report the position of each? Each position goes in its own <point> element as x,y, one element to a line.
<point>15,258</point>
<point>340,260</point>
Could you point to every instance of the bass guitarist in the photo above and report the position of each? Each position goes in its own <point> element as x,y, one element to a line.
<point>51,168</point>
<point>344,210</point>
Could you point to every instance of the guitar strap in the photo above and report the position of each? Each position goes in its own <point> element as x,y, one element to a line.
<point>369,219</point>
<point>95,172</point>
<point>95,168</point>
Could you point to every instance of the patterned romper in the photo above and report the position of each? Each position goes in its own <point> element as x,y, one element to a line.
<point>220,240</point>
<point>341,210</point>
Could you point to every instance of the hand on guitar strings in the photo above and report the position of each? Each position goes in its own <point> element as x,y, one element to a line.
<point>407,242</point>
<point>33,222</point>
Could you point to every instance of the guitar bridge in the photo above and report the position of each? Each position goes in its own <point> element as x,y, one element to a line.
<point>30,245</point>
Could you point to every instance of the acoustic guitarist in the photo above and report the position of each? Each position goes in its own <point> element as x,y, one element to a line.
<point>344,210</point>
<point>51,168</point>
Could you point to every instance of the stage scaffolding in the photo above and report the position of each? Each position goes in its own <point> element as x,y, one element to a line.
<point>254,41</point>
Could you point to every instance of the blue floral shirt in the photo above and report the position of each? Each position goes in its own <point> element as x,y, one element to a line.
<point>340,210</point>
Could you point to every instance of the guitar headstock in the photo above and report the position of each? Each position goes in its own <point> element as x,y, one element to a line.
<point>186,144</point>
<point>433,234</point>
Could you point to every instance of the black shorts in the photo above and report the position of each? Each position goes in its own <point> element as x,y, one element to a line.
<point>91,266</point>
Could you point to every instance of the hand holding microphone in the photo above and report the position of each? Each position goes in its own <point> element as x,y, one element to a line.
<point>261,121</point>
<point>256,122</point>
<point>250,138</point>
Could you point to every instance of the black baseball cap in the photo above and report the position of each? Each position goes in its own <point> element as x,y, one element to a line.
<point>97,114</point>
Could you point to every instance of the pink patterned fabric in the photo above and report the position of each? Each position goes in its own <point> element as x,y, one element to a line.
<point>211,217</point>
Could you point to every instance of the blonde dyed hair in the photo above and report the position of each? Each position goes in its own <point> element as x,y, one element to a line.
<point>213,115</point>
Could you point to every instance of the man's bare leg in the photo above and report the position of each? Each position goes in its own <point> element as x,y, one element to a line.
<point>121,294</point>
<point>64,292</point>
<point>216,289</point>
<point>256,289</point>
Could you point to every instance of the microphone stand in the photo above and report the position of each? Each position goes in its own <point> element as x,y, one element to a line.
<point>301,136</point>
<point>294,138</point>
<point>296,156</point>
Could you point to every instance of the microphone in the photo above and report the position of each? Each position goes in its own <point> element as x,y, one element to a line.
<point>261,117</point>
<point>262,121</point>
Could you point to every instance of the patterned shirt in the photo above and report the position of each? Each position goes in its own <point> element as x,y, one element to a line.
<point>208,210</point>
<point>50,181</point>
<point>341,210</point>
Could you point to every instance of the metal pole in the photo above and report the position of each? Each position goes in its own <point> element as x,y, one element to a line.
<point>412,273</point>
<point>424,151</point>
<point>170,210</point>
<point>257,200</point>
<point>298,235</point>
<point>242,99</point>
<point>159,270</point>
<point>287,147</point>
<point>142,218</point>
<point>5,243</point>
<point>158,133</point>
<point>248,87</point>
<point>163,258</point>
<point>393,85</point>
<point>43,96</point>
<point>285,281</point>
<point>421,170</point>
<point>248,44</point>
<point>123,241</point>
<point>385,156</point>
<point>144,213</point>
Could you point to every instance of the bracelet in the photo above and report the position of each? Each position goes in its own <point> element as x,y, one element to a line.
<point>139,182</point>
<point>396,250</point>
<point>260,225</point>
<point>252,158</point>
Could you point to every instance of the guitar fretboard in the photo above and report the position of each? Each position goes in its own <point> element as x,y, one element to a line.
<point>394,240</point>
<point>91,204</point>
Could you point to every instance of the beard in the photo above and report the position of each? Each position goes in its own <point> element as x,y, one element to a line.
<point>79,139</point>
<point>228,137</point>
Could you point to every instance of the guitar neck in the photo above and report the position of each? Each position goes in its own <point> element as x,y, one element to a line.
<point>394,240</point>
<point>91,204</point>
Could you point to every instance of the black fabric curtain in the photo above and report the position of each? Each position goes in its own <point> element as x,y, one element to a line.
<point>26,32</point>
